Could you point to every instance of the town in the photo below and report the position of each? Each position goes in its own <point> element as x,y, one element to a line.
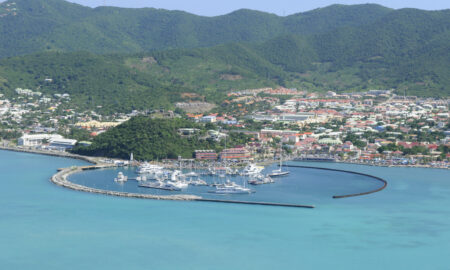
<point>375,127</point>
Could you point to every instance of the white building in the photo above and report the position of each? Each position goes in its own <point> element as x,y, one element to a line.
<point>37,139</point>
<point>208,119</point>
<point>62,144</point>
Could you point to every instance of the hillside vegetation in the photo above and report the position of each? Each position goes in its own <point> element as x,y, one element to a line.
<point>151,139</point>
<point>62,26</point>
<point>338,48</point>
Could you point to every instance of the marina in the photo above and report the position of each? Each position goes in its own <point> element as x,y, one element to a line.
<point>170,196</point>
<point>292,189</point>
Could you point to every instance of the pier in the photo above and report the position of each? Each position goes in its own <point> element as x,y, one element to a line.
<point>384,182</point>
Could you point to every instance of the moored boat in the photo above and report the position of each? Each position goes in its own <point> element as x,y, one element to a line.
<point>231,188</point>
<point>121,178</point>
<point>260,180</point>
<point>251,169</point>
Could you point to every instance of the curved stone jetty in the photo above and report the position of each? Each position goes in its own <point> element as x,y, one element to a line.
<point>60,179</point>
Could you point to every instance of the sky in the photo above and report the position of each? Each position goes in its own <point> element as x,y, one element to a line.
<point>280,7</point>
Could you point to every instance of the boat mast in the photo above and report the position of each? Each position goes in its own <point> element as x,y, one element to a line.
<point>281,154</point>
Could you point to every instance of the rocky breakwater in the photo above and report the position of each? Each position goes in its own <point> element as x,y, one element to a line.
<point>60,179</point>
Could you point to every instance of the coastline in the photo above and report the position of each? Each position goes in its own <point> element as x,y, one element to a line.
<point>60,178</point>
<point>92,160</point>
<point>95,160</point>
<point>395,165</point>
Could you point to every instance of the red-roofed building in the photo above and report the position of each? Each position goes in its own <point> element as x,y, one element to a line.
<point>235,153</point>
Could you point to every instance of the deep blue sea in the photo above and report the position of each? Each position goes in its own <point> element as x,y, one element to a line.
<point>406,226</point>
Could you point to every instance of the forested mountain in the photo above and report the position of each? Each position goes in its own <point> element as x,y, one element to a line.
<point>339,48</point>
<point>28,26</point>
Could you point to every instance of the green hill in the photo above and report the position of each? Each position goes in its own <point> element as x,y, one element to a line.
<point>38,25</point>
<point>146,138</point>
<point>339,48</point>
<point>152,80</point>
<point>151,139</point>
<point>91,81</point>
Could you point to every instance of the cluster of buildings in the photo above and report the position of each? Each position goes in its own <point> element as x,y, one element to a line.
<point>41,118</point>
<point>373,126</point>
<point>8,9</point>
<point>46,141</point>
<point>231,154</point>
<point>213,118</point>
<point>267,90</point>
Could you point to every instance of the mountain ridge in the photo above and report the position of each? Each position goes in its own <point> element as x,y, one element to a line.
<point>347,50</point>
<point>62,26</point>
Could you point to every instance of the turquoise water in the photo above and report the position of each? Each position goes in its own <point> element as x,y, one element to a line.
<point>42,226</point>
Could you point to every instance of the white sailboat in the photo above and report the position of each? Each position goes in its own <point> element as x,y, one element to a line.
<point>279,172</point>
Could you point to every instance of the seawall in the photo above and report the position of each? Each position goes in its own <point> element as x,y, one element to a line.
<point>50,153</point>
<point>384,182</point>
<point>60,179</point>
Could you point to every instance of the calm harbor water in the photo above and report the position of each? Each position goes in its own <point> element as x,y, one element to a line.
<point>43,226</point>
<point>301,186</point>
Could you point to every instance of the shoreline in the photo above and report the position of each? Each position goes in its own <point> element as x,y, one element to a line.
<point>394,165</point>
<point>95,160</point>
<point>92,160</point>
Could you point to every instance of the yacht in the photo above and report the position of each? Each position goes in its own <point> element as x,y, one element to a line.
<point>231,188</point>
<point>178,179</point>
<point>178,184</point>
<point>121,178</point>
<point>150,170</point>
<point>161,185</point>
<point>197,182</point>
<point>177,175</point>
<point>251,169</point>
<point>261,179</point>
